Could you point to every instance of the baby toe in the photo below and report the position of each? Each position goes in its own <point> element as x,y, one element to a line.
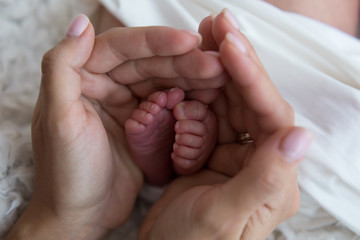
<point>189,140</point>
<point>186,152</point>
<point>193,110</point>
<point>190,126</point>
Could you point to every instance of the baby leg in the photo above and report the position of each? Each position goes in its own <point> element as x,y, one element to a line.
<point>150,135</point>
<point>196,135</point>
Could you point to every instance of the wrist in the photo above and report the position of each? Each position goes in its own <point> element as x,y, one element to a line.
<point>43,224</point>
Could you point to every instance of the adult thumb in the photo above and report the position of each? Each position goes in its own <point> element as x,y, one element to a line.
<point>269,180</point>
<point>62,65</point>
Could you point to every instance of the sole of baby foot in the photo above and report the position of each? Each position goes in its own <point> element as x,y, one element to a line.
<point>148,133</point>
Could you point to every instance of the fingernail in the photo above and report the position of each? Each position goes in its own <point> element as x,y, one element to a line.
<point>177,137</point>
<point>175,146</point>
<point>78,26</point>
<point>181,111</point>
<point>172,89</point>
<point>296,144</point>
<point>231,18</point>
<point>236,42</point>
<point>196,34</point>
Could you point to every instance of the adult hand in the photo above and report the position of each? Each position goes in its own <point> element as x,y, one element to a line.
<point>250,102</point>
<point>209,205</point>
<point>248,189</point>
<point>85,181</point>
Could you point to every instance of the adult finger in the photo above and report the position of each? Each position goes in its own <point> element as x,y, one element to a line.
<point>224,23</point>
<point>205,29</point>
<point>61,66</point>
<point>205,96</point>
<point>109,50</point>
<point>206,86</point>
<point>259,94</point>
<point>195,64</point>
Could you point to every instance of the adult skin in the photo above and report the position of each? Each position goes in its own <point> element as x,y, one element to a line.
<point>248,189</point>
<point>343,15</point>
<point>85,182</point>
<point>76,197</point>
<point>262,208</point>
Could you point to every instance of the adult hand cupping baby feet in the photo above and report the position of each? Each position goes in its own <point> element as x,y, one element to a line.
<point>86,182</point>
<point>249,188</point>
<point>169,59</point>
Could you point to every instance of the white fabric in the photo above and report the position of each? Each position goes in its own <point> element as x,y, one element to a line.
<point>315,67</point>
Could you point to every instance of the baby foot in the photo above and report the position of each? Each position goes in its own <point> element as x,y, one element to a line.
<point>150,135</point>
<point>196,135</point>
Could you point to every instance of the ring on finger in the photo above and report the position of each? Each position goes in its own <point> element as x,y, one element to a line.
<point>245,138</point>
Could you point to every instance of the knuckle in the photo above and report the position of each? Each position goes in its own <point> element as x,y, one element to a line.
<point>288,200</point>
<point>50,60</point>
<point>47,62</point>
<point>270,182</point>
<point>203,209</point>
<point>290,111</point>
<point>294,201</point>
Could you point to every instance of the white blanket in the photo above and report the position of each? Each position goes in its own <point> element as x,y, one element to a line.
<point>317,69</point>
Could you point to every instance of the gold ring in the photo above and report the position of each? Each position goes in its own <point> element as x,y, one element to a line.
<point>245,138</point>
